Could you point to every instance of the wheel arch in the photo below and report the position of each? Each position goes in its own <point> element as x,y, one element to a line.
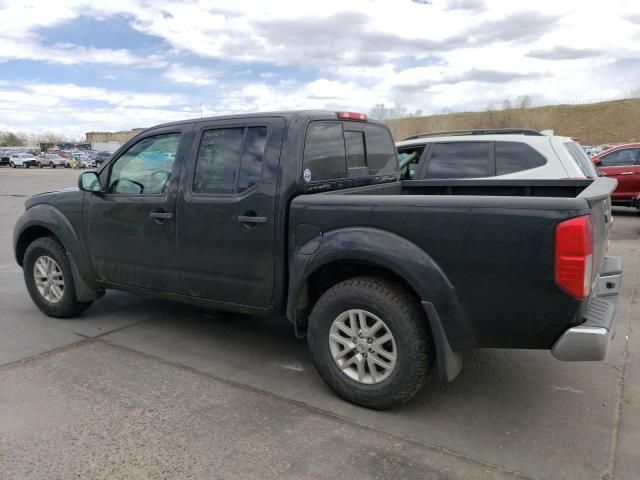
<point>45,220</point>
<point>341,254</point>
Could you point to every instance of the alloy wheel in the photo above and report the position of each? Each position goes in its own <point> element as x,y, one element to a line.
<point>48,278</point>
<point>362,346</point>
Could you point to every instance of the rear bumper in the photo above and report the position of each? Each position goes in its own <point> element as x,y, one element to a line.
<point>590,340</point>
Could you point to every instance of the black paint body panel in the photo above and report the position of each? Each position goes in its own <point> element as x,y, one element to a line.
<point>481,252</point>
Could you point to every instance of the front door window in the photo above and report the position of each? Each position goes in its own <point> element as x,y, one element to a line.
<point>145,169</point>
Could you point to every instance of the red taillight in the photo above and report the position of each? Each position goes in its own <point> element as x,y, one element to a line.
<point>351,116</point>
<point>574,256</point>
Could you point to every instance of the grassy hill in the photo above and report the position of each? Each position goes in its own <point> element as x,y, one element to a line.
<point>596,123</point>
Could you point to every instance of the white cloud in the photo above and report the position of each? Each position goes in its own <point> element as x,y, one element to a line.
<point>199,76</point>
<point>69,54</point>
<point>458,54</point>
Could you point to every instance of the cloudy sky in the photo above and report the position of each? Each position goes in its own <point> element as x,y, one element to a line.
<point>71,66</point>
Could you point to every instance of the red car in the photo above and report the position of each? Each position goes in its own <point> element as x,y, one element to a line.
<point>622,163</point>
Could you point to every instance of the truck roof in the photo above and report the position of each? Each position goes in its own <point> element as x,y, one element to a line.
<point>288,114</point>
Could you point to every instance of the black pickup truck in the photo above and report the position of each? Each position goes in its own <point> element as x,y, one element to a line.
<point>302,214</point>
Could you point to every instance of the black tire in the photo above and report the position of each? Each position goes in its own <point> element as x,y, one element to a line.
<point>39,165</point>
<point>67,306</point>
<point>52,165</point>
<point>402,314</point>
<point>13,165</point>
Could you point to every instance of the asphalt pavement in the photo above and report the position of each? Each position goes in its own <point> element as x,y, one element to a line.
<point>141,388</point>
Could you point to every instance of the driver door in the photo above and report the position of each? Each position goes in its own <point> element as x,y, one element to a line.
<point>131,226</point>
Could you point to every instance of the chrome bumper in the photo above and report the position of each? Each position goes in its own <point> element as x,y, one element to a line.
<point>590,340</point>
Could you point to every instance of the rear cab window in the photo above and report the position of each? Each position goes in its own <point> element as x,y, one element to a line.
<point>337,151</point>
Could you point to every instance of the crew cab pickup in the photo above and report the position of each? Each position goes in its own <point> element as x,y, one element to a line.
<point>302,214</point>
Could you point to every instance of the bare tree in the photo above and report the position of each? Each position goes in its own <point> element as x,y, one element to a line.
<point>523,101</point>
<point>378,111</point>
<point>10,139</point>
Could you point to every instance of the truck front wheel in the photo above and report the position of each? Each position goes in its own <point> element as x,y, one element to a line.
<point>47,273</point>
<point>370,342</point>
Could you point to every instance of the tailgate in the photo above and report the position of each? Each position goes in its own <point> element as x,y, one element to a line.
<point>598,196</point>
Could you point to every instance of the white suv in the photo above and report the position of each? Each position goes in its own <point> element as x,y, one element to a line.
<point>22,160</point>
<point>499,153</point>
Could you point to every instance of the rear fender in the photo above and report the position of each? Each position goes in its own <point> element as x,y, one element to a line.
<point>391,252</point>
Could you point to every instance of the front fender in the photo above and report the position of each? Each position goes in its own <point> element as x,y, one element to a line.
<point>386,250</point>
<point>45,216</point>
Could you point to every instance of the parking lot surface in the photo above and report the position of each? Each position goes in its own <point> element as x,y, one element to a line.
<point>141,388</point>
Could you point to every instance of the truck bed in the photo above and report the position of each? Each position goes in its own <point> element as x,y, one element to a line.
<point>492,240</point>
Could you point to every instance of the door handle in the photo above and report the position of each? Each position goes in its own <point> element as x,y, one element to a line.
<point>251,219</point>
<point>161,217</point>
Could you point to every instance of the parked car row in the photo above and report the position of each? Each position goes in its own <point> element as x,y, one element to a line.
<point>518,154</point>
<point>52,159</point>
<point>484,239</point>
<point>622,162</point>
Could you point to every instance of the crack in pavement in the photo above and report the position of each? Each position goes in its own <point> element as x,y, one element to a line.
<point>615,434</point>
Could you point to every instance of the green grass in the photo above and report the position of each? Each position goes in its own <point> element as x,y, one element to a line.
<point>595,123</point>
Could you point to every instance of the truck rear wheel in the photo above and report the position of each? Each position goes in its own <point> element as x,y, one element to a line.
<point>47,273</point>
<point>370,342</point>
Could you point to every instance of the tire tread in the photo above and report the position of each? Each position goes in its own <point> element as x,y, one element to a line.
<point>415,324</point>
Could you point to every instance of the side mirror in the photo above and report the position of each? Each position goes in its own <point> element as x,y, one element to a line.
<point>89,182</point>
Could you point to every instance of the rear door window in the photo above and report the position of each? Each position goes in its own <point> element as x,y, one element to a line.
<point>512,157</point>
<point>229,160</point>
<point>460,160</point>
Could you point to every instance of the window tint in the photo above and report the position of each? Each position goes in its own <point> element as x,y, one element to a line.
<point>146,167</point>
<point>408,159</point>
<point>582,159</point>
<point>460,160</point>
<point>252,158</point>
<point>354,141</point>
<point>324,152</point>
<point>620,158</point>
<point>381,151</point>
<point>514,157</point>
<point>229,160</point>
<point>331,154</point>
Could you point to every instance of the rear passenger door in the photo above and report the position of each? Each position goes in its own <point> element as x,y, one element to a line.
<point>226,227</point>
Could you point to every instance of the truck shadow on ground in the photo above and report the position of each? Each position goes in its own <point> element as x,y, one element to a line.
<point>264,353</point>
